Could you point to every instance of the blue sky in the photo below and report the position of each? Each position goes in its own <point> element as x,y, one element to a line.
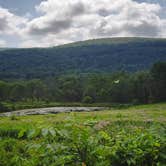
<point>20,7</point>
<point>44,23</point>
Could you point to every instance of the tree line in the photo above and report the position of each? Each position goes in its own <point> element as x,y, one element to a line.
<point>120,87</point>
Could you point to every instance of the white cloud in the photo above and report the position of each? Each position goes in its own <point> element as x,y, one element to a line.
<point>73,20</point>
<point>10,23</point>
<point>3,43</point>
<point>47,41</point>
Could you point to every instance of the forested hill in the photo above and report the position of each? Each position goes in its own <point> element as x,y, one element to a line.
<point>99,55</point>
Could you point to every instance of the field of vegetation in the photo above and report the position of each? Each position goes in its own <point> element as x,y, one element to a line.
<point>135,136</point>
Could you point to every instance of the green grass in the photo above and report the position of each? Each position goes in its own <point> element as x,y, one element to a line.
<point>133,136</point>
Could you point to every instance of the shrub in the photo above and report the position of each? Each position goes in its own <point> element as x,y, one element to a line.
<point>4,108</point>
<point>13,117</point>
<point>87,99</point>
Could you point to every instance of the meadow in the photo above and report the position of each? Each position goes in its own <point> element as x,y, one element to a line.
<point>134,136</point>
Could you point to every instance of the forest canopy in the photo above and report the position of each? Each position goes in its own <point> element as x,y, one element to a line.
<point>94,56</point>
<point>120,87</point>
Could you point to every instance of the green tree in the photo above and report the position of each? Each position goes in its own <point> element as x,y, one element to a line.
<point>17,92</point>
<point>158,73</point>
<point>4,90</point>
<point>70,89</point>
<point>36,90</point>
<point>121,89</point>
<point>142,86</point>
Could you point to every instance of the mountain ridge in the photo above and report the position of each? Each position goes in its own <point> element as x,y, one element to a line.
<point>112,40</point>
<point>97,55</point>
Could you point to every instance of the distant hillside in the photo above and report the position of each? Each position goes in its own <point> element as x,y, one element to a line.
<point>98,55</point>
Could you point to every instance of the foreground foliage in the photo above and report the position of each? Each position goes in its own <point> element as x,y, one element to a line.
<point>134,136</point>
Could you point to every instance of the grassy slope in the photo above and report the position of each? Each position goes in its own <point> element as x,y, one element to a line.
<point>142,113</point>
<point>138,135</point>
<point>151,112</point>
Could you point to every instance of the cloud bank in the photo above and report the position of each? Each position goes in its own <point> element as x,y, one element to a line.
<point>3,43</point>
<point>73,20</point>
<point>10,23</point>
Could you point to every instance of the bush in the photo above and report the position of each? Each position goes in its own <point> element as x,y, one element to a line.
<point>87,99</point>
<point>4,108</point>
<point>13,117</point>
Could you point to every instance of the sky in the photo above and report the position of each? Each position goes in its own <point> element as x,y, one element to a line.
<point>46,23</point>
